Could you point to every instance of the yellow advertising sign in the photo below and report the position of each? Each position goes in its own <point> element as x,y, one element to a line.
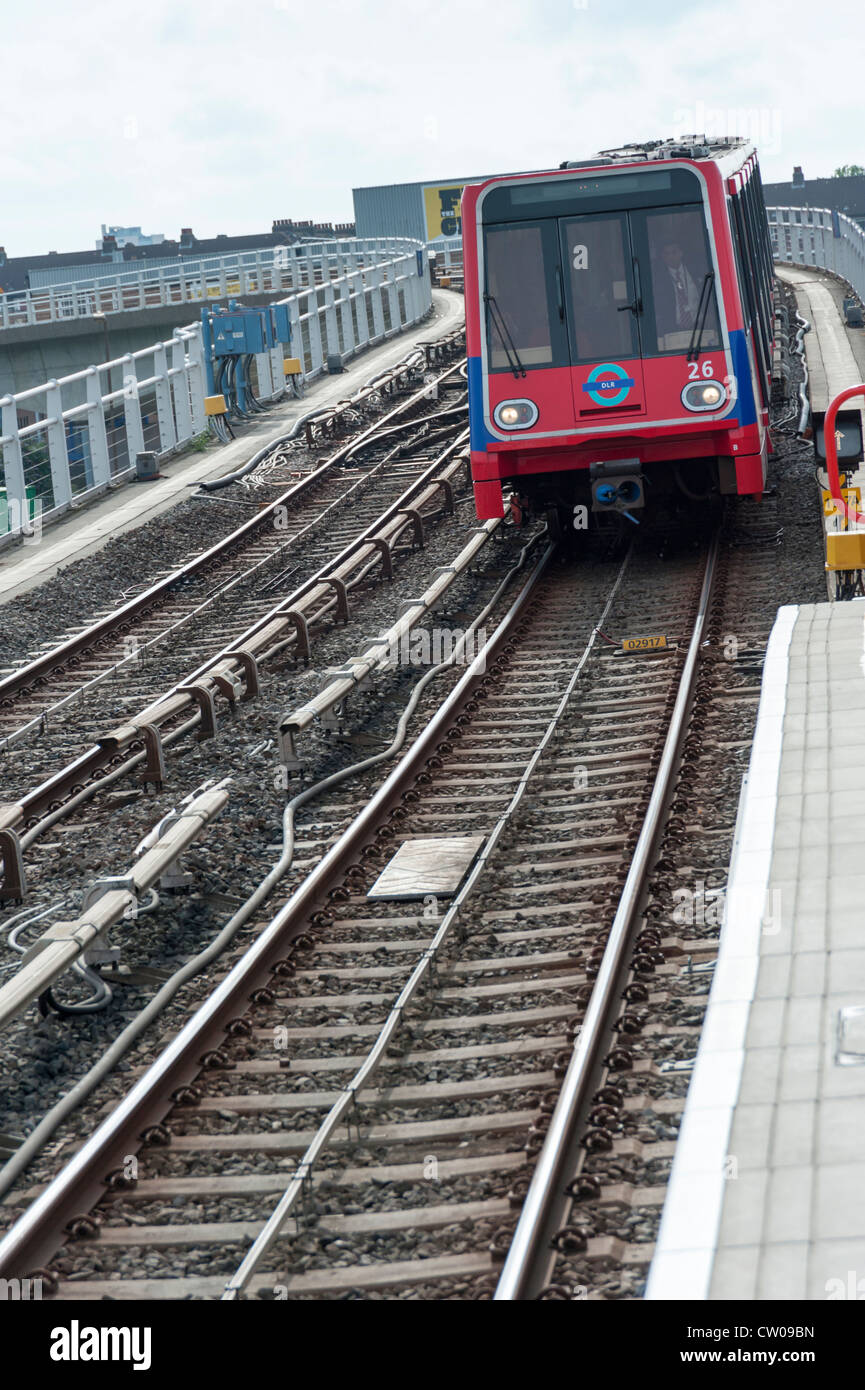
<point>442,210</point>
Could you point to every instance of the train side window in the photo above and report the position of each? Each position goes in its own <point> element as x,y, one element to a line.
<point>742,263</point>
<point>751,266</point>
<point>744,289</point>
<point>763,222</point>
<point>520,294</point>
<point>678,258</point>
<point>747,279</point>
<point>756,226</point>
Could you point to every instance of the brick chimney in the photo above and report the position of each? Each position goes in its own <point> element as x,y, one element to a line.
<point>798,176</point>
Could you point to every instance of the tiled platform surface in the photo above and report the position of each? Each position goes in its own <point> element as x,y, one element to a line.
<point>767,1194</point>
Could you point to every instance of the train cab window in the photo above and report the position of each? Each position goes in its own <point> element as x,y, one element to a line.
<point>522,324</point>
<point>679,274</point>
<point>598,257</point>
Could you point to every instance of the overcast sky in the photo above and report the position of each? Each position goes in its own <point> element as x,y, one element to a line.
<point>222,115</point>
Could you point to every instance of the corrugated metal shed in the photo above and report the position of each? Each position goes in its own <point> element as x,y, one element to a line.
<point>424,211</point>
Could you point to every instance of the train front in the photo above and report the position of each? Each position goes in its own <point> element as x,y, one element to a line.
<point>607,355</point>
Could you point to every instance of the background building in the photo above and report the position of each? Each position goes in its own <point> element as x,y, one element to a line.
<point>844,194</point>
<point>70,267</point>
<point>425,211</point>
<point>129,236</point>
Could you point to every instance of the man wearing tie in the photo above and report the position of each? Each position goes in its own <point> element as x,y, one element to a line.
<point>676,291</point>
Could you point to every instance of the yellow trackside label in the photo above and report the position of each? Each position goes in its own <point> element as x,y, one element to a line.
<point>852,496</point>
<point>643,644</point>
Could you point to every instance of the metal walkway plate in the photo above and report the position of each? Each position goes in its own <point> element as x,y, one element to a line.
<point>423,867</point>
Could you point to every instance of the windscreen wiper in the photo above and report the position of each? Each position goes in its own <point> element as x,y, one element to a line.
<point>508,343</point>
<point>701,316</point>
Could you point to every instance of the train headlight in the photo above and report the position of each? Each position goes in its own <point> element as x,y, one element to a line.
<point>703,395</point>
<point>515,415</point>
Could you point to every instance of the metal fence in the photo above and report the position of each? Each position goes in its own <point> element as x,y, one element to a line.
<point>67,440</point>
<point>56,454</point>
<point>276,270</point>
<point>821,237</point>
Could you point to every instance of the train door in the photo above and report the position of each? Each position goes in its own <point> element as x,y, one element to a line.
<point>600,296</point>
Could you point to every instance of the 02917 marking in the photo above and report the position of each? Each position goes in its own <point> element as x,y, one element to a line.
<point>643,644</point>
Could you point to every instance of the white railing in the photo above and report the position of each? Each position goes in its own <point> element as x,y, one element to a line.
<point>360,309</point>
<point>806,236</point>
<point>276,270</point>
<point>57,454</point>
<point>67,440</point>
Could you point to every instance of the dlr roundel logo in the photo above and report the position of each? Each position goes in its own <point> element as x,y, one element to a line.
<point>607,378</point>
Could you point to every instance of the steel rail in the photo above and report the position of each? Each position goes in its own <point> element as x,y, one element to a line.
<point>16,681</point>
<point>133,1031</point>
<point>531,1256</point>
<point>170,703</point>
<point>354,673</point>
<point>36,1235</point>
<point>332,567</point>
<point>425,966</point>
<point>36,721</point>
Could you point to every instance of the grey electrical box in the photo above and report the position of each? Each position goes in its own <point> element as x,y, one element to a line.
<point>146,467</point>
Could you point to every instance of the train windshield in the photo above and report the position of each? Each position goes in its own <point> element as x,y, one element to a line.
<point>599,285</point>
<point>641,283</point>
<point>682,300</point>
<point>519,323</point>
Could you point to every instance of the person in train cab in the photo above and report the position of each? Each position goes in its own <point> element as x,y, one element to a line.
<point>677,291</point>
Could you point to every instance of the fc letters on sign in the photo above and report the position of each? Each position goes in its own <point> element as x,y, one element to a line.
<point>442,208</point>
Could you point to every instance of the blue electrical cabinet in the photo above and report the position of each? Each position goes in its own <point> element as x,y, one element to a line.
<point>280,323</point>
<point>256,330</point>
<point>239,332</point>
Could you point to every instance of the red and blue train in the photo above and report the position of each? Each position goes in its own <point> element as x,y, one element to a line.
<point>619,318</point>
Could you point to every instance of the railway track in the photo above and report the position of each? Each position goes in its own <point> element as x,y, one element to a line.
<point>320,503</point>
<point>433,1126</point>
<point>604,1246</point>
<point>212,643</point>
<point>352,1115</point>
